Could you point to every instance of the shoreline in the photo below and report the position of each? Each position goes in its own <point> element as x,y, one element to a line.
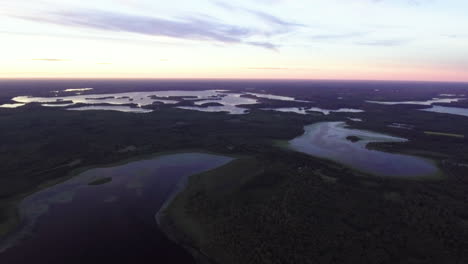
<point>435,176</point>
<point>14,224</point>
<point>182,228</point>
<point>168,226</point>
<point>174,221</point>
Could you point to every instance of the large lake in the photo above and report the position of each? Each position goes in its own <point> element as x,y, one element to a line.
<point>329,140</point>
<point>105,215</point>
<point>229,102</point>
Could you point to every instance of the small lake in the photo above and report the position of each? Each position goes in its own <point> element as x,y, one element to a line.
<point>448,110</point>
<point>230,104</point>
<point>119,108</point>
<point>309,110</point>
<point>105,215</point>
<point>329,140</point>
<point>427,102</point>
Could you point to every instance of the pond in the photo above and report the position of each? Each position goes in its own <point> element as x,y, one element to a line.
<point>334,141</point>
<point>105,214</point>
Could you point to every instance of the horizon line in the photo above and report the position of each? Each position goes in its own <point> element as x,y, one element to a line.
<point>224,79</point>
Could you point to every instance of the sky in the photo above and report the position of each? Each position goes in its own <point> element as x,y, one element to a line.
<point>424,40</point>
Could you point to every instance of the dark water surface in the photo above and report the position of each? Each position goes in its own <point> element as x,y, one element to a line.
<point>328,140</point>
<point>90,219</point>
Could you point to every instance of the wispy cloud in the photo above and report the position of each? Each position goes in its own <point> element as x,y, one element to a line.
<point>338,36</point>
<point>272,19</point>
<point>455,36</point>
<point>384,43</point>
<point>411,2</point>
<point>266,45</point>
<point>281,69</point>
<point>185,28</point>
<point>51,60</point>
<point>360,38</point>
<point>267,68</point>
<point>278,24</point>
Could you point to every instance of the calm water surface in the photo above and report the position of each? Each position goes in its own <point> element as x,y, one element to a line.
<point>448,110</point>
<point>112,222</point>
<point>230,102</point>
<point>308,110</point>
<point>427,102</point>
<point>328,140</point>
<point>119,108</point>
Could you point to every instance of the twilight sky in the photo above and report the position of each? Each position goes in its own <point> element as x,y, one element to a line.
<point>290,39</point>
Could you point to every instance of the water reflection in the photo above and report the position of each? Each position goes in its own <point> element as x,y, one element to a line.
<point>448,110</point>
<point>308,110</point>
<point>427,102</point>
<point>107,212</point>
<point>11,105</point>
<point>275,97</point>
<point>78,89</point>
<point>233,110</point>
<point>228,102</point>
<point>126,109</point>
<point>329,140</point>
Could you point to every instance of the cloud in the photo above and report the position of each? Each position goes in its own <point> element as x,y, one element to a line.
<point>411,2</point>
<point>361,38</point>
<point>185,28</point>
<point>94,37</point>
<point>274,21</point>
<point>270,2</point>
<point>384,43</point>
<point>338,36</point>
<point>281,69</point>
<point>265,45</point>
<point>267,68</point>
<point>455,36</point>
<point>52,60</point>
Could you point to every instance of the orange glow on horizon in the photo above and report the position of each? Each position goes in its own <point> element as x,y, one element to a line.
<point>268,74</point>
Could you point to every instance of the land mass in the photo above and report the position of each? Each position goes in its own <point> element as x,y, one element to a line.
<point>273,205</point>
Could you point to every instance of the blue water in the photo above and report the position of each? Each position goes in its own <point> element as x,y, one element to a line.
<point>328,140</point>
<point>75,222</point>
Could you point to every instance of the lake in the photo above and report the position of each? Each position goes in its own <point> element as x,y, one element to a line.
<point>329,140</point>
<point>229,102</point>
<point>426,102</point>
<point>308,110</point>
<point>448,110</point>
<point>105,215</point>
